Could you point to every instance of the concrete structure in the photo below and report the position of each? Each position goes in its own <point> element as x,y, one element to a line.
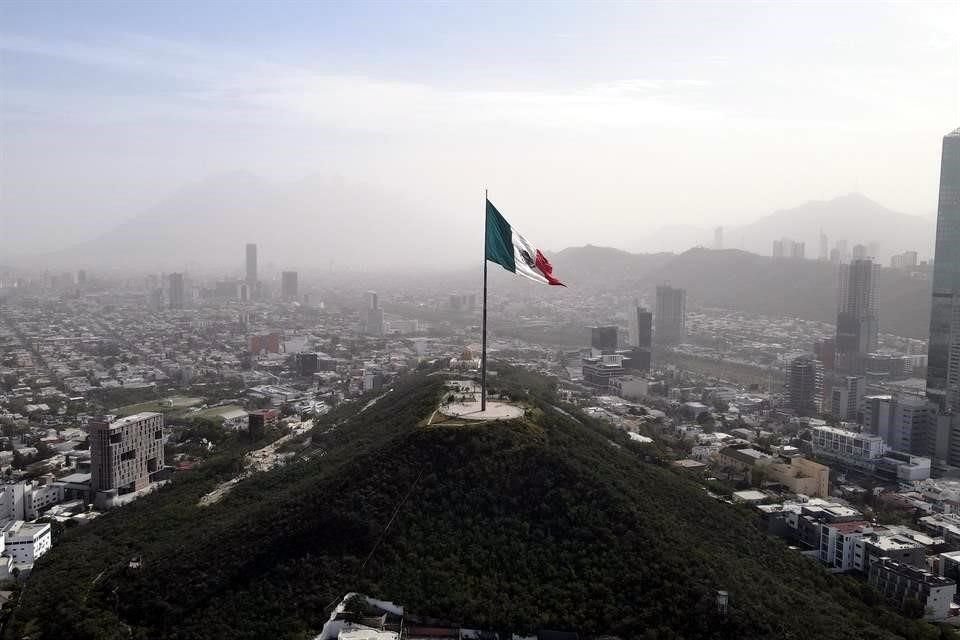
<point>838,544</point>
<point>251,265</point>
<point>943,367</point>
<point>259,420</point>
<point>857,324</point>
<point>177,291</point>
<point>906,423</point>
<point>671,315</point>
<point>899,583</point>
<point>871,547</point>
<point>905,260</point>
<point>264,343</point>
<point>800,475</point>
<point>601,372</point>
<point>373,315</point>
<point>846,398</point>
<point>825,349</point>
<point>25,542</point>
<point>805,385</point>
<point>125,452</point>
<point>641,327</point>
<point>603,340</point>
<point>288,285</point>
<point>849,447</point>
<point>632,387</point>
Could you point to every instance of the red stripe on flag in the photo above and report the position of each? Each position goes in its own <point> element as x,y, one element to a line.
<point>544,266</point>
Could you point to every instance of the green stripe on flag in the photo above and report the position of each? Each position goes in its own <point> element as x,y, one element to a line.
<point>499,242</point>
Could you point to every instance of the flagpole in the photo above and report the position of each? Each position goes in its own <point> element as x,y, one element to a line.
<point>483,356</point>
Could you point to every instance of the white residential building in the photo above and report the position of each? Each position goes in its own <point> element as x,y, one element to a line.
<point>25,542</point>
<point>851,447</point>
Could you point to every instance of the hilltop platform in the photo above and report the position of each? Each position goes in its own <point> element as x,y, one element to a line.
<point>471,411</point>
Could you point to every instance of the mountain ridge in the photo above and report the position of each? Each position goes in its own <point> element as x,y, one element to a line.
<point>319,219</point>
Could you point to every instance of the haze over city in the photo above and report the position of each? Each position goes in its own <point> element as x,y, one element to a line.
<point>591,123</point>
<point>479,320</point>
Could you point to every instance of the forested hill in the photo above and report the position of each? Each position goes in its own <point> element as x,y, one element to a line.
<point>551,521</point>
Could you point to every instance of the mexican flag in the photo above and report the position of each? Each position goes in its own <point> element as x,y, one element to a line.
<point>511,251</point>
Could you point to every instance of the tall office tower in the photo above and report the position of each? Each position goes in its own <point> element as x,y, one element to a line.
<point>251,264</point>
<point>824,254</point>
<point>288,285</point>
<point>718,238</point>
<point>826,351</point>
<point>798,250</point>
<point>861,252</point>
<point>670,322</point>
<point>846,398</point>
<point>778,249</point>
<point>805,385</point>
<point>841,247</point>
<point>176,291</point>
<point>373,324</point>
<point>641,327</point>
<point>857,324</point>
<point>124,453</point>
<point>943,365</point>
<point>604,339</point>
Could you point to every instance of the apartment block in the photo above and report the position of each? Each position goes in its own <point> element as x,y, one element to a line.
<point>125,452</point>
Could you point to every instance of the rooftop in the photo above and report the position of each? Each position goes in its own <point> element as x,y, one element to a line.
<point>913,573</point>
<point>850,527</point>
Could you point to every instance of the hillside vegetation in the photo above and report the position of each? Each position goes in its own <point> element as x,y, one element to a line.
<point>551,521</point>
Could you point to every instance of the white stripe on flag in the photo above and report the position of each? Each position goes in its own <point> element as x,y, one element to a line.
<point>524,268</point>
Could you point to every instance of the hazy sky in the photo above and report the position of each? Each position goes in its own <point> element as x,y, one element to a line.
<point>589,122</point>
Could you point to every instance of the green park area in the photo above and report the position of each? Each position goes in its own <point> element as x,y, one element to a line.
<point>174,405</point>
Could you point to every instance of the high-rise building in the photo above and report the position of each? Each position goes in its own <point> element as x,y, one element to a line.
<point>604,339</point>
<point>861,252</point>
<point>251,264</point>
<point>841,249</point>
<point>288,285</point>
<point>906,423</point>
<point>373,320</point>
<point>943,363</point>
<point>824,254</point>
<point>177,293</point>
<point>125,452</point>
<point>640,339</point>
<point>670,322</point>
<point>789,248</point>
<point>905,260</point>
<point>846,398</point>
<point>826,351</point>
<point>805,385</point>
<point>857,324</point>
<point>641,327</point>
<point>718,238</point>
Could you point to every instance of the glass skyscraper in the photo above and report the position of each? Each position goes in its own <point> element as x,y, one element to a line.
<point>943,373</point>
